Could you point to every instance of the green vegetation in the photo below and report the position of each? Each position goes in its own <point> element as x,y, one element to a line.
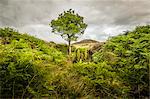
<point>129,55</point>
<point>69,25</point>
<point>33,68</point>
<point>25,62</point>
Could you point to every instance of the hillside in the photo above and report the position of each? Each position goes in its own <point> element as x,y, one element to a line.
<point>129,55</point>
<point>87,43</point>
<point>25,63</point>
<point>116,69</point>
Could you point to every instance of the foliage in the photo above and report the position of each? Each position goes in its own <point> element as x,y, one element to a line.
<point>23,68</point>
<point>69,25</point>
<point>80,54</point>
<point>100,79</point>
<point>89,80</point>
<point>33,68</point>
<point>129,55</point>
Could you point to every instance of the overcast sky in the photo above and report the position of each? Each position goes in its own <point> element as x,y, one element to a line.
<point>104,17</point>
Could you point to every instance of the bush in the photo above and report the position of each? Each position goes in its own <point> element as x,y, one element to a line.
<point>24,69</point>
<point>129,55</point>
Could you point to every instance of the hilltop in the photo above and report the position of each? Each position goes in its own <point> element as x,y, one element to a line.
<point>87,43</point>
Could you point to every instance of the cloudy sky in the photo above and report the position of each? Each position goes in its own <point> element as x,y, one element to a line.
<point>104,17</point>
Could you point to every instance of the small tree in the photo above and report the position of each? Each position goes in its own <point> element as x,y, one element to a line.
<point>69,25</point>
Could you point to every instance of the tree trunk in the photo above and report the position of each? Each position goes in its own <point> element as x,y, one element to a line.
<point>69,49</point>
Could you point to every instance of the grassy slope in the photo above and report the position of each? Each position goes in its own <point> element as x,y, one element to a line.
<point>129,55</point>
<point>24,57</point>
<point>104,78</point>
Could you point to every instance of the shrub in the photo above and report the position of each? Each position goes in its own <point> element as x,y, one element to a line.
<point>129,55</point>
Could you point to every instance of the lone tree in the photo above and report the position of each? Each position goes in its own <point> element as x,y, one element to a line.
<point>69,25</point>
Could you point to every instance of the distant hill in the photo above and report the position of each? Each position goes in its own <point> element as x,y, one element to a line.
<point>88,43</point>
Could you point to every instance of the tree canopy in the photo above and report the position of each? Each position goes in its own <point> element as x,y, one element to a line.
<point>69,25</point>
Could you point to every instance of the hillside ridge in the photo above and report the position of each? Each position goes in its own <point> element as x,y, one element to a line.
<point>86,41</point>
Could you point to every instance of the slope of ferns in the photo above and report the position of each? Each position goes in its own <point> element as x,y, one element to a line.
<point>129,56</point>
<point>30,67</point>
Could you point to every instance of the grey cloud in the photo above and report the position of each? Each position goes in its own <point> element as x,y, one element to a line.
<point>4,2</point>
<point>104,17</point>
<point>41,31</point>
<point>121,12</point>
<point>22,12</point>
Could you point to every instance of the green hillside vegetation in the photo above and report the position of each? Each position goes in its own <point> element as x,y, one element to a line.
<point>26,63</point>
<point>33,68</point>
<point>129,56</point>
